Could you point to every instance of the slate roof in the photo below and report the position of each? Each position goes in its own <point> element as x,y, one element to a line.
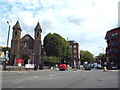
<point>37,28</point>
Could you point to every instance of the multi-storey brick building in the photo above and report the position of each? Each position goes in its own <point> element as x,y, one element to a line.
<point>75,51</point>
<point>113,46</point>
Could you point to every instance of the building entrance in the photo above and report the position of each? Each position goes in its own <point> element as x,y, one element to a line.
<point>26,58</point>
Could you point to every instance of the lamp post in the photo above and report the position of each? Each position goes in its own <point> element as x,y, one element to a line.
<point>8,34</point>
<point>4,62</point>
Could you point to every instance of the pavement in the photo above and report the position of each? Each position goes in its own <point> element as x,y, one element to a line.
<point>60,79</point>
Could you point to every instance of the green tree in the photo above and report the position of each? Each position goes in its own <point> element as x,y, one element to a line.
<point>56,46</point>
<point>86,56</point>
<point>4,49</point>
<point>102,57</point>
<point>51,60</point>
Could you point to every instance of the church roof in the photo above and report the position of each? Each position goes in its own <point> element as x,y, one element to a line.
<point>17,26</point>
<point>25,36</point>
<point>37,28</point>
<point>24,50</point>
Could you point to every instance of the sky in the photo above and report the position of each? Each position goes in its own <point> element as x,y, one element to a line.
<point>84,21</point>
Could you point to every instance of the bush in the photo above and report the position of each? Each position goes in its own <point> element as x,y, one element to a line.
<point>52,60</point>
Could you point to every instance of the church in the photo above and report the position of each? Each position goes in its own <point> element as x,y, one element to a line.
<point>26,47</point>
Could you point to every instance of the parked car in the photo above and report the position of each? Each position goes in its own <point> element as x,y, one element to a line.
<point>91,65</point>
<point>99,66</point>
<point>87,67</point>
<point>114,68</point>
<point>62,67</point>
<point>85,63</point>
<point>95,65</point>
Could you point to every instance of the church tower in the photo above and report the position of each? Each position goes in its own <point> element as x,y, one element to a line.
<point>15,42</point>
<point>37,44</point>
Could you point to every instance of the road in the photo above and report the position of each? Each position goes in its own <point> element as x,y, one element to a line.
<point>60,79</point>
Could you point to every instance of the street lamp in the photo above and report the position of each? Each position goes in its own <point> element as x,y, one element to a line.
<point>4,62</point>
<point>8,34</point>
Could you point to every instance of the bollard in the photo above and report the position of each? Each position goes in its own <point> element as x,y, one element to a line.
<point>105,69</point>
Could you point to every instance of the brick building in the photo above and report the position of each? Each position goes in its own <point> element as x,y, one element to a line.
<point>25,47</point>
<point>75,52</point>
<point>113,46</point>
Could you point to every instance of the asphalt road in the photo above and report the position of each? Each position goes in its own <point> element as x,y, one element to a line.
<point>60,79</point>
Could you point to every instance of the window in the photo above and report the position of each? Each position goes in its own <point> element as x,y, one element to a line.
<point>27,37</point>
<point>115,34</point>
<point>75,56</point>
<point>75,51</point>
<point>74,46</point>
<point>15,33</point>
<point>37,34</point>
<point>70,46</point>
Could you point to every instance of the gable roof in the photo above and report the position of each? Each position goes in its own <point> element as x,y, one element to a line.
<point>25,36</point>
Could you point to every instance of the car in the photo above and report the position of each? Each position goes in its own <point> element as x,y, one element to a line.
<point>91,65</point>
<point>99,66</point>
<point>87,67</point>
<point>95,65</point>
<point>62,67</point>
<point>114,68</point>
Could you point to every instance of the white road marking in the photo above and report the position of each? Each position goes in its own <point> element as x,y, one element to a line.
<point>21,87</point>
<point>51,75</point>
<point>36,77</point>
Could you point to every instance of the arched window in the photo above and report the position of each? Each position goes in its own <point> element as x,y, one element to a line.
<point>37,34</point>
<point>15,33</point>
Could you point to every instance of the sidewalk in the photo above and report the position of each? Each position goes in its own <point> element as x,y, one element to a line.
<point>26,70</point>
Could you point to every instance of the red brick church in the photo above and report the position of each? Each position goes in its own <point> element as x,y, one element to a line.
<point>25,47</point>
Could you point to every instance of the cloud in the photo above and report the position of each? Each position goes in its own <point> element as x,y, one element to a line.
<point>85,21</point>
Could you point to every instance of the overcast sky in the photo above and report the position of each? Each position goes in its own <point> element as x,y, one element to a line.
<point>85,21</point>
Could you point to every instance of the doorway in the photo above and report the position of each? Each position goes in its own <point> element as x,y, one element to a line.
<point>25,57</point>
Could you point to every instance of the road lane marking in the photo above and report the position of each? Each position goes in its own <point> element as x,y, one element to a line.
<point>21,87</point>
<point>36,77</point>
<point>51,75</point>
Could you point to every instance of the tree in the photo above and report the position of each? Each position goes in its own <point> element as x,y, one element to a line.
<point>50,60</point>
<point>4,49</point>
<point>102,57</point>
<point>86,56</point>
<point>56,46</point>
